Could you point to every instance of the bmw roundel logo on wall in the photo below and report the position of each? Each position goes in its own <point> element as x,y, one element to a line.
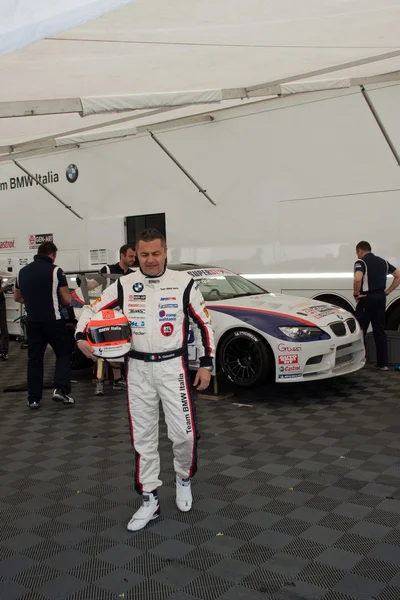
<point>72,173</point>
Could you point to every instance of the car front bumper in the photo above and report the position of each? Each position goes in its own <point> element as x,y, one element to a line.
<point>320,359</point>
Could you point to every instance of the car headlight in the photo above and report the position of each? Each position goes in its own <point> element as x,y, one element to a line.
<point>296,333</point>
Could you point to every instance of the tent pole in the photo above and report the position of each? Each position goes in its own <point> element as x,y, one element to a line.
<point>178,164</point>
<point>47,189</point>
<point>380,124</point>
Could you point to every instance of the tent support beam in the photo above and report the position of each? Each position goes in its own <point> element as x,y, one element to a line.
<point>326,70</point>
<point>48,141</point>
<point>182,168</point>
<point>28,108</point>
<point>380,124</point>
<point>47,189</point>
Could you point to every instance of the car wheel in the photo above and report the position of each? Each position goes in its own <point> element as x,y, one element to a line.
<point>393,320</point>
<point>244,358</point>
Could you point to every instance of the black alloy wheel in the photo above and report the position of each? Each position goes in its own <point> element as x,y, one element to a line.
<point>244,358</point>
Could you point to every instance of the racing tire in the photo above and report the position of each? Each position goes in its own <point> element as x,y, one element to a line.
<point>393,320</point>
<point>245,359</point>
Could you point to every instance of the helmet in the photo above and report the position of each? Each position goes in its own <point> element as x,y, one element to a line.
<point>109,334</point>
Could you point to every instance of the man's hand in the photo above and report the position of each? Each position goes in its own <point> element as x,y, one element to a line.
<point>387,292</point>
<point>358,298</point>
<point>202,380</point>
<point>87,350</point>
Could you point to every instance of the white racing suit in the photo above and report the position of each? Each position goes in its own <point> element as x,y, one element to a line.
<point>159,310</point>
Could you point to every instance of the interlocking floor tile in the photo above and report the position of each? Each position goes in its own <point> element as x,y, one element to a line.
<point>297,497</point>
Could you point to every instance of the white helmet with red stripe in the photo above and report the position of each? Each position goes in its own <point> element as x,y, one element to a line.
<point>109,334</point>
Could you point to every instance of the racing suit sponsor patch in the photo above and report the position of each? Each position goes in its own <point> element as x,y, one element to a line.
<point>95,302</point>
<point>164,316</point>
<point>167,329</point>
<point>137,324</point>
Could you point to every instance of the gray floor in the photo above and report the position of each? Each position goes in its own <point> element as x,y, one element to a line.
<point>297,497</point>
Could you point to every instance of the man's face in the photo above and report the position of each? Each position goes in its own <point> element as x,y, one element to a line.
<point>152,257</point>
<point>360,253</point>
<point>128,259</point>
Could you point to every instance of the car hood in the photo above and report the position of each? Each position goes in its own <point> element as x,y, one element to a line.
<point>301,311</point>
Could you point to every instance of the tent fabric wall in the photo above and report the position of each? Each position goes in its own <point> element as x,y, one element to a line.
<point>279,172</point>
<point>151,47</point>
<point>23,22</point>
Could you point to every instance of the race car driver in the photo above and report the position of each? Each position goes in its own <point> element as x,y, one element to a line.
<point>159,304</point>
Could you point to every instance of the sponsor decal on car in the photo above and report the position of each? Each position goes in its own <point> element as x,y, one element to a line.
<point>319,311</point>
<point>289,376</point>
<point>284,348</point>
<point>289,369</point>
<point>209,272</point>
<point>288,359</point>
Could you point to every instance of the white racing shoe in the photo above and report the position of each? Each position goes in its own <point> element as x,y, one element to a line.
<point>149,510</point>
<point>183,494</point>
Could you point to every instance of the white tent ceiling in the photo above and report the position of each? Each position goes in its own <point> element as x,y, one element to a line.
<point>219,48</point>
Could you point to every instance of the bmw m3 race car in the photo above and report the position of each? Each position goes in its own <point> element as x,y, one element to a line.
<point>262,336</point>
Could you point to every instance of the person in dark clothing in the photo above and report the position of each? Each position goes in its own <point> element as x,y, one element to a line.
<point>369,287</point>
<point>127,258</point>
<point>3,326</point>
<point>42,287</point>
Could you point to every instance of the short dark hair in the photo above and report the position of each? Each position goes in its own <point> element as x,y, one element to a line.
<point>149,235</point>
<point>124,249</point>
<point>364,246</point>
<point>47,248</point>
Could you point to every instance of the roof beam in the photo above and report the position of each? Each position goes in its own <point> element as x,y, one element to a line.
<point>49,140</point>
<point>53,142</point>
<point>33,108</point>
<point>25,108</point>
<point>37,152</point>
<point>325,71</point>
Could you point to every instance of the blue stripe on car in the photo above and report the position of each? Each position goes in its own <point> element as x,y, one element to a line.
<point>268,322</point>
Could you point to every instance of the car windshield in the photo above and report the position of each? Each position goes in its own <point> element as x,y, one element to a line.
<point>215,284</point>
<point>225,287</point>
